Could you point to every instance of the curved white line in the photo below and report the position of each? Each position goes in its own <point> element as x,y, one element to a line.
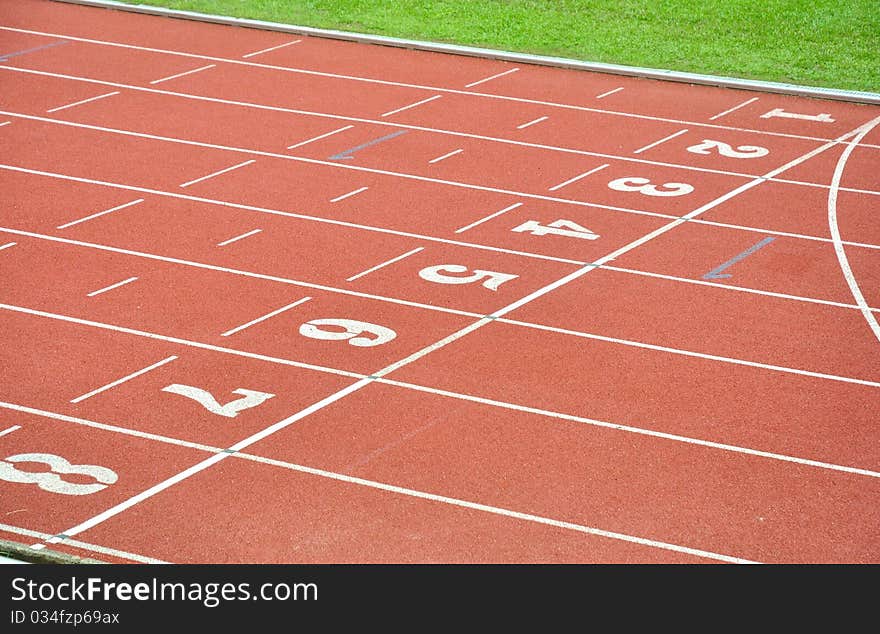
<point>835,231</point>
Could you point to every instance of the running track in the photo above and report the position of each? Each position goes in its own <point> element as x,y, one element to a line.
<point>270,298</point>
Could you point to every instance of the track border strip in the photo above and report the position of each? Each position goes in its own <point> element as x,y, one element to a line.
<point>524,58</point>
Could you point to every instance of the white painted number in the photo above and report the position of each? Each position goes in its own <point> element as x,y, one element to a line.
<point>742,151</point>
<point>351,330</point>
<point>437,274</point>
<point>565,228</point>
<point>779,112</point>
<point>644,186</point>
<point>249,399</point>
<point>50,480</point>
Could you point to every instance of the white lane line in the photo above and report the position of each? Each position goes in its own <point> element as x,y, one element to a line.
<point>408,386</point>
<point>271,48</point>
<point>189,72</point>
<point>77,103</point>
<point>319,137</point>
<point>835,230</point>
<point>7,245</point>
<point>3,123</point>
<point>531,123</point>
<point>629,159</point>
<point>482,81</point>
<point>729,110</point>
<point>487,218</point>
<point>365,80</point>
<point>250,274</point>
<point>100,213</point>
<point>445,156</point>
<point>128,377</point>
<point>212,175</point>
<point>351,193</point>
<point>9,430</point>
<point>111,287</point>
<point>384,264</point>
<point>577,178</point>
<point>237,238</point>
<point>103,550</point>
<point>265,317</point>
<point>610,92</point>
<point>412,105</point>
<point>663,140</point>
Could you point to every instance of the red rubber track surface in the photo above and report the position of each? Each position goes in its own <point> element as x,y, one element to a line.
<point>573,317</point>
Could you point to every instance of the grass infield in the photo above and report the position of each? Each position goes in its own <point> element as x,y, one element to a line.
<point>820,43</point>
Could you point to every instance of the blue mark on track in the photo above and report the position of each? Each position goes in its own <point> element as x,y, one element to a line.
<point>716,273</point>
<point>347,154</point>
<point>6,56</point>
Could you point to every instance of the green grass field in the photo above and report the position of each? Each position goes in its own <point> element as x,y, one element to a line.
<point>822,43</point>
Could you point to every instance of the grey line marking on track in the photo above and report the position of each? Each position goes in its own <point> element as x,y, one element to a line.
<point>716,273</point>
<point>6,56</point>
<point>100,213</point>
<point>347,154</point>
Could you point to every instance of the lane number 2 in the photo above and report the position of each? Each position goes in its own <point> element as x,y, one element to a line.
<point>439,274</point>
<point>742,151</point>
<point>50,480</point>
<point>249,399</point>
<point>644,186</point>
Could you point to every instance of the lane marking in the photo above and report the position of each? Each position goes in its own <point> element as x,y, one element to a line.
<point>663,140</point>
<point>412,105</point>
<point>4,123</point>
<point>7,245</point>
<point>265,317</point>
<point>212,175</point>
<point>103,550</point>
<point>489,217</point>
<point>610,92</point>
<point>514,142</point>
<point>730,287</point>
<point>445,156</point>
<point>4,57</point>
<point>189,72</point>
<point>157,192</point>
<point>347,154</point>
<point>427,389</point>
<point>250,274</point>
<point>377,81</point>
<point>835,230</point>
<point>351,193</point>
<point>128,377</point>
<point>237,238</point>
<point>384,264</point>
<point>823,117</point>
<point>577,178</point>
<point>319,137</point>
<point>9,430</point>
<point>729,110</point>
<point>531,123</point>
<point>77,103</point>
<point>481,81</point>
<point>111,287</point>
<point>271,48</point>
<point>716,273</point>
<point>221,454</point>
<point>101,213</point>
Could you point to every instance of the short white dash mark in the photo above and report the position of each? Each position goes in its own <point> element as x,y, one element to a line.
<point>729,110</point>
<point>445,156</point>
<point>77,103</point>
<point>663,140</point>
<point>100,213</point>
<point>189,72</point>
<point>351,193</point>
<point>213,174</point>
<point>384,264</point>
<point>531,123</point>
<point>482,81</point>
<point>610,92</point>
<point>271,48</point>
<point>577,178</point>
<point>128,377</point>
<point>412,105</point>
<point>111,287</point>
<point>237,238</point>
